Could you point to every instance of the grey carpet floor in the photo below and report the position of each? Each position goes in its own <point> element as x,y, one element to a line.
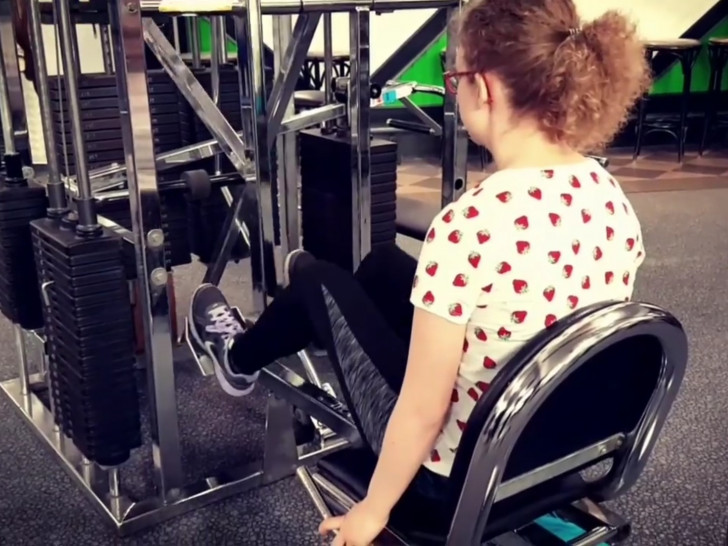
<point>682,498</point>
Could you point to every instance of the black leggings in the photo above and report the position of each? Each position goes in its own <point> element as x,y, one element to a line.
<point>363,321</point>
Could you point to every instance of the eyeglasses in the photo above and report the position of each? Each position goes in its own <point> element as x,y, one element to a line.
<point>453,78</point>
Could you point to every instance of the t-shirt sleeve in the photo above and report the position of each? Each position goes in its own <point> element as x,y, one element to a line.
<point>450,271</point>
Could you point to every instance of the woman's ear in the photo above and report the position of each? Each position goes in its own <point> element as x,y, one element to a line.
<point>481,84</point>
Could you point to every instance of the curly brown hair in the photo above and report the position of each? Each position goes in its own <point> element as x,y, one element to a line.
<point>578,80</point>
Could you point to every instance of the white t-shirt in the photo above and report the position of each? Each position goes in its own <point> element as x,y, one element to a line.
<point>514,255</point>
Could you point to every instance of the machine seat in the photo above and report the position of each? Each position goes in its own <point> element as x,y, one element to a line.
<point>597,385</point>
<point>414,217</point>
<point>350,470</point>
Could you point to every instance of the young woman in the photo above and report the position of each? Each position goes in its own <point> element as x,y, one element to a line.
<point>416,344</point>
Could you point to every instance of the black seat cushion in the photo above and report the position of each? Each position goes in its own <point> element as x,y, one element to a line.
<point>414,217</point>
<point>424,521</point>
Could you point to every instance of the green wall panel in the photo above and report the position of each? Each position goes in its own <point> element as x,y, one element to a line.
<point>206,39</point>
<point>427,70</point>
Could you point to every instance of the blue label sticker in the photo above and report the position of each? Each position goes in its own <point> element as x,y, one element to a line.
<point>389,97</point>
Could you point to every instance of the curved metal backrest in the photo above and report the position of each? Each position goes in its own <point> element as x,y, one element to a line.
<point>531,378</point>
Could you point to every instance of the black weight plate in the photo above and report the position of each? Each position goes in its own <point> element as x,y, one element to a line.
<point>384,197</point>
<point>89,334</point>
<point>104,103</point>
<point>73,250</point>
<point>21,194</point>
<point>59,95</point>
<point>115,145</point>
<point>112,111</point>
<point>327,169</point>
<point>88,136</point>
<point>114,123</point>
<point>108,80</point>
<point>86,126</point>
<point>112,156</point>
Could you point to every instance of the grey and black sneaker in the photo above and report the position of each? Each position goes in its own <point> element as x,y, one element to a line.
<point>294,261</point>
<point>213,327</point>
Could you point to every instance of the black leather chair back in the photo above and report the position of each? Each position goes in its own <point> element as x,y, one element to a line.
<point>612,368</point>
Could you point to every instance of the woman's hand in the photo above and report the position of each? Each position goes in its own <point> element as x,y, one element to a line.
<point>359,527</point>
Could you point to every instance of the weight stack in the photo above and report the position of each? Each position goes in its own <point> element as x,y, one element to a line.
<point>174,213</point>
<point>101,121</point>
<point>19,296</point>
<point>326,218</point>
<point>89,332</point>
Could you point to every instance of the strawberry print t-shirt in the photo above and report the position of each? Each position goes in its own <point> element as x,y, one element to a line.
<point>514,255</point>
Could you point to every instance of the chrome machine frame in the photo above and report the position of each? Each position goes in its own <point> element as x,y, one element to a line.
<point>266,123</point>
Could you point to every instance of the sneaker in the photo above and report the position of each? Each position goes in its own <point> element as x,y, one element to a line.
<point>295,260</point>
<point>213,327</point>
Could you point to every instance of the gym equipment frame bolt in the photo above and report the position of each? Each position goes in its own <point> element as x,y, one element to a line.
<point>159,277</point>
<point>131,7</point>
<point>155,238</point>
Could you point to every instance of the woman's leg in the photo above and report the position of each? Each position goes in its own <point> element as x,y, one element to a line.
<point>322,302</point>
<point>386,274</point>
<point>327,302</point>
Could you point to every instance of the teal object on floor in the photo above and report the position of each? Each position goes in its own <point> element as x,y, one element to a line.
<point>561,528</point>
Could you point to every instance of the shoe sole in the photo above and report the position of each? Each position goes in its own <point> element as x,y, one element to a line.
<point>287,265</point>
<point>226,385</point>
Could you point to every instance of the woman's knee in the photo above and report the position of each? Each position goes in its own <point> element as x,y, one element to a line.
<point>387,257</point>
<point>318,273</point>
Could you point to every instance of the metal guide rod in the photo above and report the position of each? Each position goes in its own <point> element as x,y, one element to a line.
<point>13,81</point>
<point>249,39</point>
<point>56,190</point>
<point>288,70</point>
<point>22,359</point>
<point>193,35</point>
<point>328,58</point>
<point>217,58</point>
<point>245,80</point>
<point>106,49</point>
<point>136,125</point>
<point>296,7</point>
<point>285,59</point>
<point>6,116</point>
<point>69,52</point>
<point>195,94</point>
<point>233,223</point>
<point>454,142</point>
<point>359,105</point>
<point>175,34</point>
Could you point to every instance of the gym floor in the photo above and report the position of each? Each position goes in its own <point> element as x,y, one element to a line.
<point>681,499</point>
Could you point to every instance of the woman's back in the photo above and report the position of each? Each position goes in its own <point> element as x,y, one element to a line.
<point>512,256</point>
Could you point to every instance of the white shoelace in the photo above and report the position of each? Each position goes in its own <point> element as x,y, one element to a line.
<point>224,323</point>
